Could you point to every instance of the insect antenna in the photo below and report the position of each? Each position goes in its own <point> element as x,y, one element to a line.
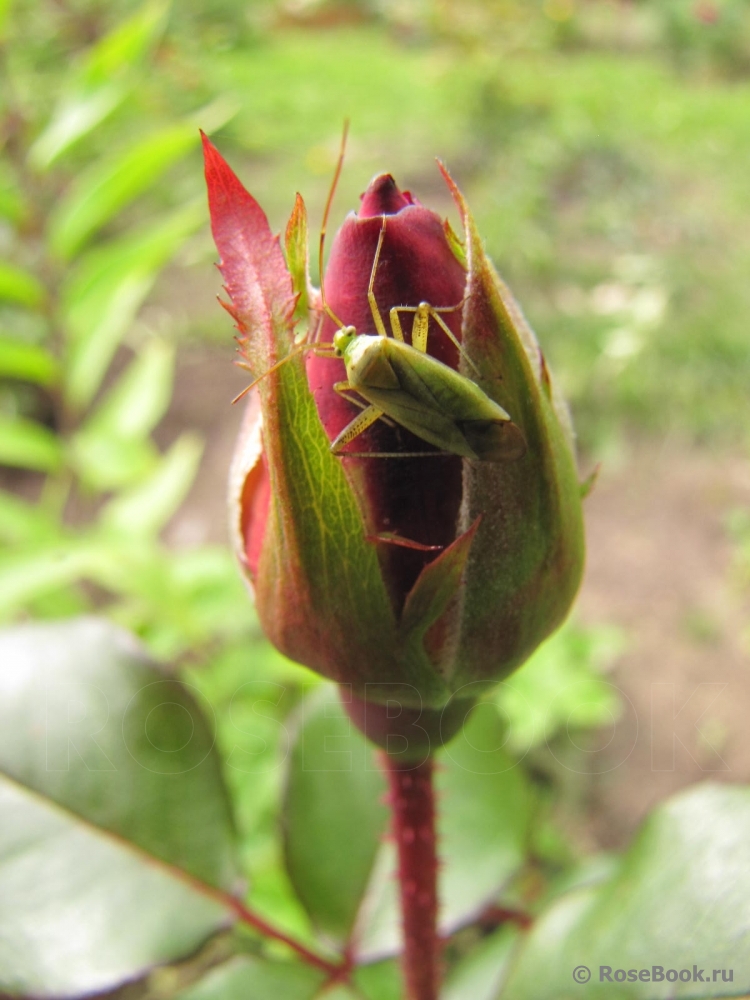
<point>324,225</point>
<point>273,368</point>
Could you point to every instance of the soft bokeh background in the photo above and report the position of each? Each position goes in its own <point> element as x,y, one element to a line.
<point>604,148</point>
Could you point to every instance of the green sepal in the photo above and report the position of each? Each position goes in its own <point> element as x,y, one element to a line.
<point>319,589</point>
<point>526,564</point>
<point>295,245</point>
<point>429,602</point>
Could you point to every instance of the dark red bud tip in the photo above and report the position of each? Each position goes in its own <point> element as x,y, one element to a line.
<point>383,198</point>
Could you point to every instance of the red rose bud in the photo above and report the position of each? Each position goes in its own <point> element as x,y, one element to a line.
<point>416,579</point>
<point>409,499</point>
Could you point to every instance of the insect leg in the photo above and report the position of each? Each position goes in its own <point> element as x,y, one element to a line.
<point>420,327</point>
<point>377,318</point>
<point>422,314</point>
<point>398,333</point>
<point>352,430</point>
<point>435,313</point>
<point>318,325</point>
<point>345,389</point>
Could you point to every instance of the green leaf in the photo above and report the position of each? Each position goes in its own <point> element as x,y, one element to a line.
<point>380,980</point>
<point>106,289</point>
<point>177,600</point>
<point>116,825</point>
<point>101,84</point>
<point>146,509</point>
<point>13,205</point>
<point>334,815</point>
<point>20,286</point>
<point>483,823</point>
<point>76,115</point>
<point>129,565</point>
<point>91,355</point>
<point>486,805</point>
<point>30,574</point>
<point>680,898</point>
<point>105,188</point>
<point>334,823</point>
<point>246,978</point>
<point>138,401</point>
<point>5,9</point>
<point>480,973</point>
<point>340,992</point>
<point>28,445</point>
<point>112,449</point>
<point>129,42</point>
<point>109,463</point>
<point>28,362</point>
<point>181,600</point>
<point>22,522</point>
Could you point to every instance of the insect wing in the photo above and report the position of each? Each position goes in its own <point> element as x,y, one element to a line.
<point>434,395</point>
<point>494,440</point>
<point>436,385</point>
<point>426,422</point>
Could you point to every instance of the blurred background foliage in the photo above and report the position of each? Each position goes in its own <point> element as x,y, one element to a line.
<point>603,146</point>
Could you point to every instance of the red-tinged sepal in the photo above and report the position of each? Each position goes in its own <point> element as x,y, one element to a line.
<point>252,264</point>
<point>428,624</point>
<point>249,491</point>
<point>296,522</point>
<point>527,561</point>
<point>393,538</point>
<point>436,590</point>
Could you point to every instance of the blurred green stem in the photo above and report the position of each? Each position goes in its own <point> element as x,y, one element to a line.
<point>55,493</point>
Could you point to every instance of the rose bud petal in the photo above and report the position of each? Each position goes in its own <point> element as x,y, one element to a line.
<point>416,578</point>
<point>418,498</point>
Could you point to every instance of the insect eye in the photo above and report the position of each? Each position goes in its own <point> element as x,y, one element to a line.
<point>340,340</point>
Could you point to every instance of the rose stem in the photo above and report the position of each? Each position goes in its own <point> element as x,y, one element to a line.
<point>413,804</point>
